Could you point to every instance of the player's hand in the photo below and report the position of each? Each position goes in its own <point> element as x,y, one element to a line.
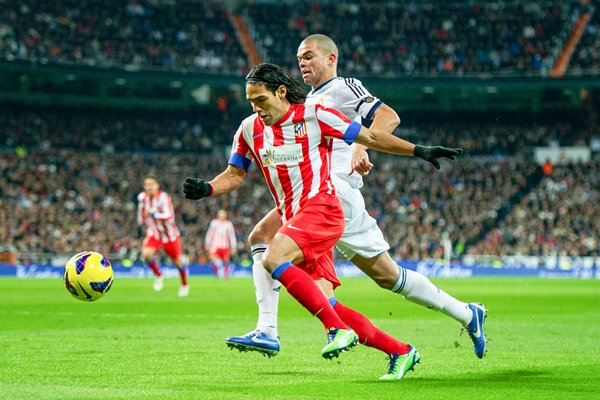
<point>360,161</point>
<point>432,153</point>
<point>196,189</point>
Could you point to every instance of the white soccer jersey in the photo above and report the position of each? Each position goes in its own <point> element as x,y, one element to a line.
<point>220,235</point>
<point>158,215</point>
<point>294,155</point>
<point>350,97</point>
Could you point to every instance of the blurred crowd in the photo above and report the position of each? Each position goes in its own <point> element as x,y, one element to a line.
<point>196,34</point>
<point>69,182</point>
<point>433,38</point>
<point>387,38</point>
<point>559,217</point>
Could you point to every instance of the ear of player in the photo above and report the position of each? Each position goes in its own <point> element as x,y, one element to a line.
<point>196,189</point>
<point>432,153</point>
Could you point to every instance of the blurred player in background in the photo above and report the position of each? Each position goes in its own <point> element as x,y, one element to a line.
<point>220,243</point>
<point>362,242</point>
<point>155,210</point>
<point>291,144</point>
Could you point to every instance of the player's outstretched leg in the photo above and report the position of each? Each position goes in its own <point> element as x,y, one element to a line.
<point>402,357</point>
<point>264,338</point>
<point>417,288</point>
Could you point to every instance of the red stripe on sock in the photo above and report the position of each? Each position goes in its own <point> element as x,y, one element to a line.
<point>302,288</point>
<point>153,265</point>
<point>368,333</point>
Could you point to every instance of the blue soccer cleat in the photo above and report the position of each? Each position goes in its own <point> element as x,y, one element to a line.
<point>475,328</point>
<point>255,340</point>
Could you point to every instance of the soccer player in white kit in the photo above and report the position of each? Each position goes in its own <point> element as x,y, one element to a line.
<point>362,241</point>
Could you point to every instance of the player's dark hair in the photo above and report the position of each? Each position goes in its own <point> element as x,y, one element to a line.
<point>272,76</point>
<point>151,176</point>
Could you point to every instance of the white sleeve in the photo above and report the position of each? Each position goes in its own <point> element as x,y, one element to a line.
<point>354,99</point>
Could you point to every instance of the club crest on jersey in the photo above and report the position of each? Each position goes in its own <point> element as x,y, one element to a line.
<point>288,154</point>
<point>300,129</point>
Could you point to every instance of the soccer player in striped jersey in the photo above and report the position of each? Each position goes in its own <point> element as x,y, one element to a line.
<point>220,243</point>
<point>362,242</point>
<point>291,143</point>
<point>155,211</point>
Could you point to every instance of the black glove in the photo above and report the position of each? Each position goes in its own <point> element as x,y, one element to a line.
<point>196,189</point>
<point>432,153</point>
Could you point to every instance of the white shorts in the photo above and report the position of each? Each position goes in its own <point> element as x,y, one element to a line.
<point>361,236</point>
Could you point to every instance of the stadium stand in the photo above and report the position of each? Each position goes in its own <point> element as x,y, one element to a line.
<point>63,186</point>
<point>412,38</point>
<point>124,33</point>
<point>383,38</point>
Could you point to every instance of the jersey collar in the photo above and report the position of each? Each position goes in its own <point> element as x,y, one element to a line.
<point>321,86</point>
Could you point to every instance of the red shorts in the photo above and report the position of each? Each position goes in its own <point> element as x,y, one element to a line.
<point>173,249</point>
<point>316,228</point>
<point>221,252</point>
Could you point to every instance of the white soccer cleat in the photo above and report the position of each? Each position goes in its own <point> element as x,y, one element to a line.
<point>158,284</point>
<point>184,291</point>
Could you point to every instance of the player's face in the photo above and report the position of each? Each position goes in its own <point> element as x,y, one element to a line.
<point>150,186</point>
<point>315,66</point>
<point>222,215</point>
<point>268,105</point>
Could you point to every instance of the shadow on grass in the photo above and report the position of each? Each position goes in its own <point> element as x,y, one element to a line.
<point>504,377</point>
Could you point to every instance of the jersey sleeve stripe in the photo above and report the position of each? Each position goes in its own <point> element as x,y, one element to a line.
<point>240,161</point>
<point>352,132</point>
<point>374,108</point>
<point>352,88</point>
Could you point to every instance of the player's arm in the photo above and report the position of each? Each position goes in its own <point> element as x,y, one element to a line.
<point>167,205</point>
<point>382,141</point>
<point>385,119</point>
<point>226,182</point>
<point>209,235</point>
<point>232,239</point>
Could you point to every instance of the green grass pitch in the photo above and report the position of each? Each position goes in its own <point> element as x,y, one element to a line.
<point>544,343</point>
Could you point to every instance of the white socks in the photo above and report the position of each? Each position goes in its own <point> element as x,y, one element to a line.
<point>418,289</point>
<point>267,292</point>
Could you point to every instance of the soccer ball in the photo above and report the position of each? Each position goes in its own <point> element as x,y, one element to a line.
<point>88,276</point>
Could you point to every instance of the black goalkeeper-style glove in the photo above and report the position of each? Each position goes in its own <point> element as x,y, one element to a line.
<point>196,189</point>
<point>432,153</point>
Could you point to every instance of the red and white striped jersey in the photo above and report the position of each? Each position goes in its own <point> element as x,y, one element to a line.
<point>159,216</point>
<point>294,155</point>
<point>220,235</point>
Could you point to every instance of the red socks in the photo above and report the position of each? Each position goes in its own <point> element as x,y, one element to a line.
<point>154,267</point>
<point>368,333</point>
<point>302,288</point>
<point>183,274</point>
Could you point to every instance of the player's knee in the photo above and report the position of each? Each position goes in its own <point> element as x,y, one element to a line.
<point>147,254</point>
<point>259,235</point>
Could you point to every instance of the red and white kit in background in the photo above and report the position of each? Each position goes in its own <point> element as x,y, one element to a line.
<point>159,217</point>
<point>294,156</point>
<point>220,237</point>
